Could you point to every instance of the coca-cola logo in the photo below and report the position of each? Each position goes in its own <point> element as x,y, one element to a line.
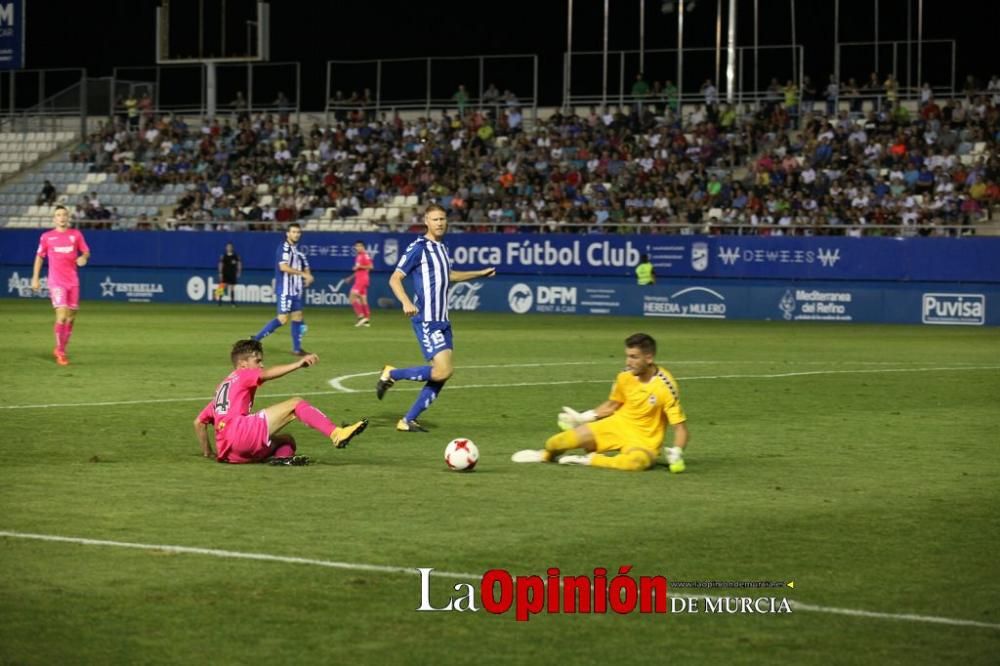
<point>463,296</point>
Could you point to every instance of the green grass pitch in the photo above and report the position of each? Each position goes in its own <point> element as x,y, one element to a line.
<point>862,462</point>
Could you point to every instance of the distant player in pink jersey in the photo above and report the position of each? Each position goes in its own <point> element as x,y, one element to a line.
<point>244,437</point>
<point>362,278</point>
<point>65,249</point>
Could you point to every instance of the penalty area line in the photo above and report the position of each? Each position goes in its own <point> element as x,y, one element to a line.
<point>387,569</point>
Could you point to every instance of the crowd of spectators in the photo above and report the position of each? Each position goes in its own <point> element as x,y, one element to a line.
<point>779,168</point>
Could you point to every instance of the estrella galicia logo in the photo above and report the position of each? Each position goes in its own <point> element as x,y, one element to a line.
<point>955,309</point>
<point>520,298</point>
<point>390,251</point>
<point>699,256</point>
<point>787,305</point>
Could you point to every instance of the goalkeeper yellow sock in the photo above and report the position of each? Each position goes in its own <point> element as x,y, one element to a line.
<point>632,460</point>
<point>567,440</point>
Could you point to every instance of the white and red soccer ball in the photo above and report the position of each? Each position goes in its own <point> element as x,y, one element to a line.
<point>461,455</point>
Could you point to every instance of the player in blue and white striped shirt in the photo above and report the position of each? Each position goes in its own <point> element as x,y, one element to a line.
<point>291,278</point>
<point>426,261</point>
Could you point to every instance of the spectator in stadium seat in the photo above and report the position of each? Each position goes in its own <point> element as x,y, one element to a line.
<point>461,99</point>
<point>240,107</point>
<point>47,196</point>
<point>640,91</point>
<point>284,108</point>
<point>710,93</point>
<point>146,108</point>
<point>491,100</point>
<point>132,111</point>
<point>853,95</point>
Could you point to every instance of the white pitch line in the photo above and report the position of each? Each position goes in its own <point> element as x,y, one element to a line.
<point>335,383</point>
<point>906,617</point>
<point>381,568</point>
<point>232,554</point>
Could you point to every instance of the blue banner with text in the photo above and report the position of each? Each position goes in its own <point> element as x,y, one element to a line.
<point>12,25</point>
<point>784,258</point>
<point>968,304</point>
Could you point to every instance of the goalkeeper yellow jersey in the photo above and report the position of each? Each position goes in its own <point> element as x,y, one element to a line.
<point>648,408</point>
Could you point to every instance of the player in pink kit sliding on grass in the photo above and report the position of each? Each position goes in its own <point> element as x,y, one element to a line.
<point>65,249</point>
<point>362,279</point>
<point>244,437</point>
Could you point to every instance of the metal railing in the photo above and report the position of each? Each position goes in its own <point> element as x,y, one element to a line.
<point>183,89</point>
<point>437,89</point>
<point>556,227</point>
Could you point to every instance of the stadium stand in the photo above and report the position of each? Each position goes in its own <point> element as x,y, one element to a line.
<point>899,170</point>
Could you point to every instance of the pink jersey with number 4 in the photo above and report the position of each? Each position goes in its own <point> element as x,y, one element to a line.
<point>60,249</point>
<point>362,276</point>
<point>230,409</point>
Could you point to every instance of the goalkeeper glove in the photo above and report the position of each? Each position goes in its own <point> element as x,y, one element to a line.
<point>570,418</point>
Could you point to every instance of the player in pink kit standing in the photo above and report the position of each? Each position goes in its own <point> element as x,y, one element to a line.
<point>362,278</point>
<point>242,437</point>
<point>65,249</point>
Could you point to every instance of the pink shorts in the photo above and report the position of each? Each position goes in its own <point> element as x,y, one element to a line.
<point>244,439</point>
<point>360,289</point>
<point>65,297</point>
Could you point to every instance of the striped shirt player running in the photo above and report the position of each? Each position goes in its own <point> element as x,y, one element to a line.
<point>291,278</point>
<point>426,261</point>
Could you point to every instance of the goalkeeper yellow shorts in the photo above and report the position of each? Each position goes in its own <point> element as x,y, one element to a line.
<point>617,434</point>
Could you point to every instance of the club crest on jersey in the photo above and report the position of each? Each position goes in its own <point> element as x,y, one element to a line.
<point>652,399</point>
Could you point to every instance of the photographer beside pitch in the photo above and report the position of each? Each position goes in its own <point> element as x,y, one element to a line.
<point>644,401</point>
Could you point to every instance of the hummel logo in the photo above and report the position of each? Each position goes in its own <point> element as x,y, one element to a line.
<point>828,258</point>
<point>729,255</point>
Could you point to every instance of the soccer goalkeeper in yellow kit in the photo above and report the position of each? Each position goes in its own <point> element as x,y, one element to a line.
<point>643,402</point>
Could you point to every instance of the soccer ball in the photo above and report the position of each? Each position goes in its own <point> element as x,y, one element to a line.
<point>461,455</point>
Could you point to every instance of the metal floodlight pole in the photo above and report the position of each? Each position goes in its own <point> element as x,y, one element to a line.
<point>642,35</point>
<point>222,31</point>
<point>731,54</point>
<point>836,40</point>
<point>534,88</point>
<point>795,63</point>
<point>568,65</point>
<point>201,29</point>
<point>111,93</point>
<point>680,57</point>
<point>718,42</point>
<point>756,35</point>
<point>250,37</point>
<point>298,94</point>
<point>920,39</point>
<point>876,35</point>
<point>83,103</point>
<point>621,79</point>
<point>604,59</point>
<point>909,46</point>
